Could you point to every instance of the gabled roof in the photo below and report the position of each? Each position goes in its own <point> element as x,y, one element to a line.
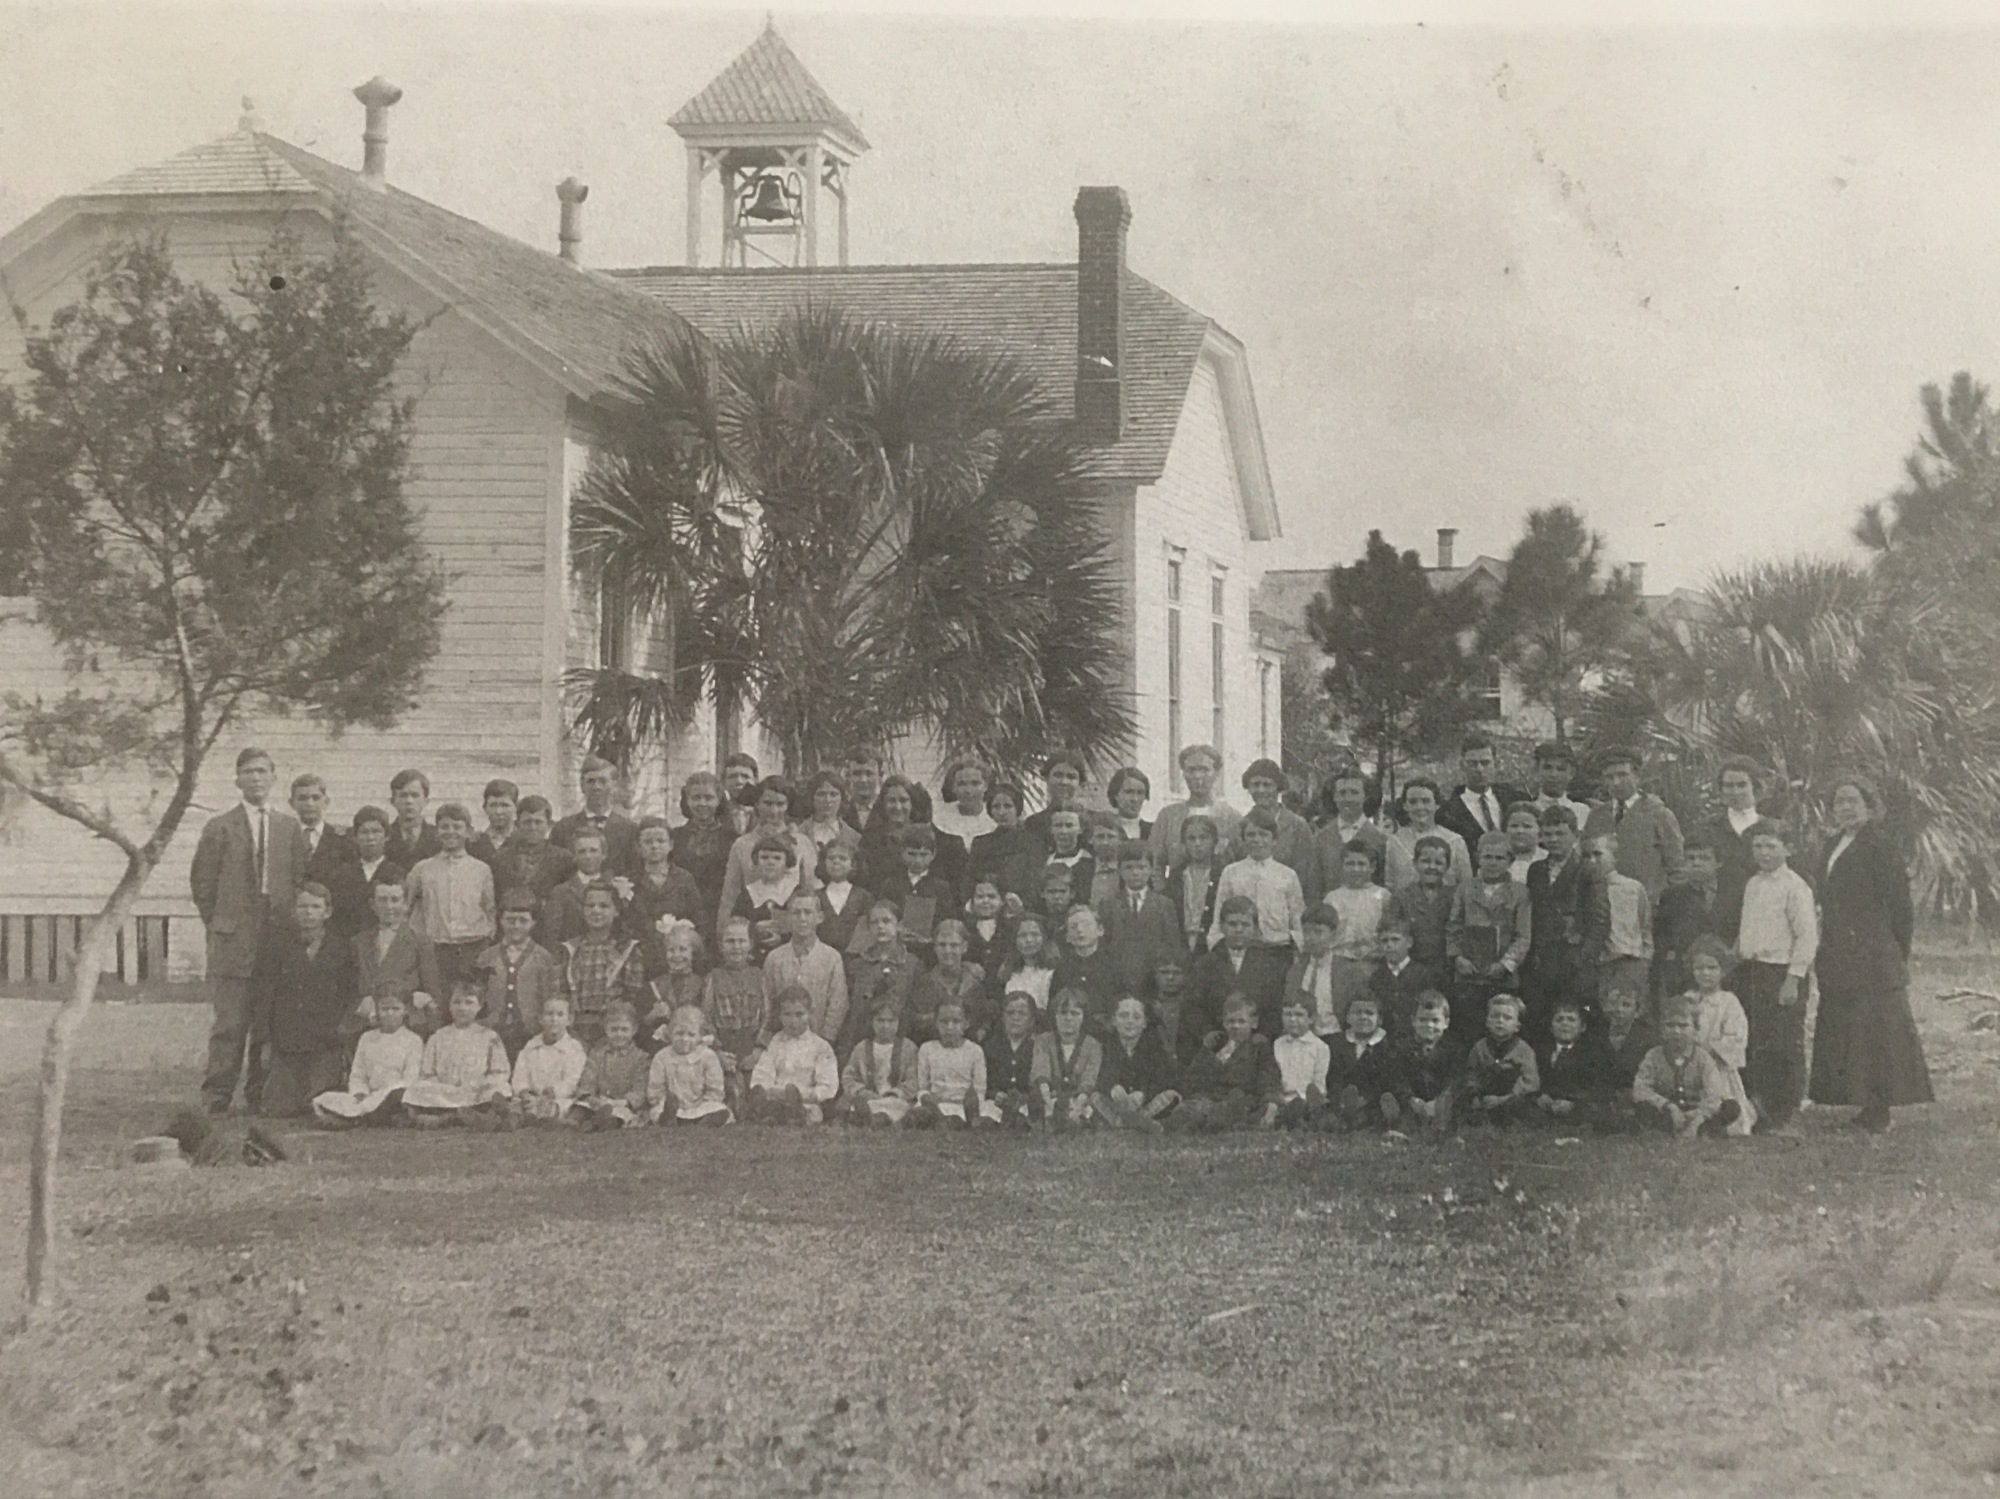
<point>1029,310</point>
<point>767,85</point>
<point>575,325</point>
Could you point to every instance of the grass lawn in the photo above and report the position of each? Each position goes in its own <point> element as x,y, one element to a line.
<point>750,1312</point>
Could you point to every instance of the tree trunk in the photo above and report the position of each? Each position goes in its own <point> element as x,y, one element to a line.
<point>92,958</point>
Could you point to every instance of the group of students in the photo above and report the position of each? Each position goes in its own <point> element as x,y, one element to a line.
<point>852,950</point>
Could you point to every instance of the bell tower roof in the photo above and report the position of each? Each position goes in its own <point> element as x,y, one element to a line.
<point>764,94</point>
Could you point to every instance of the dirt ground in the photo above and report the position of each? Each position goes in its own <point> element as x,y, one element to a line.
<point>755,1312</point>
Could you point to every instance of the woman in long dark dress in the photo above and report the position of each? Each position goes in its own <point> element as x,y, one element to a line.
<point>1865,1046</point>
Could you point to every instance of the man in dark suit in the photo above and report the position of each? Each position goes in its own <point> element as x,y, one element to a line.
<point>247,866</point>
<point>331,859</point>
<point>598,779</point>
<point>1478,805</point>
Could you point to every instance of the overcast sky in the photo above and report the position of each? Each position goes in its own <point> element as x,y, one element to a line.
<point>1689,277</point>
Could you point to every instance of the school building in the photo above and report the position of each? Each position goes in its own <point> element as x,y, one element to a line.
<point>519,355</point>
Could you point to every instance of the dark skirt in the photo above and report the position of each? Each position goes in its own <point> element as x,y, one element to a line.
<point>1865,1047</point>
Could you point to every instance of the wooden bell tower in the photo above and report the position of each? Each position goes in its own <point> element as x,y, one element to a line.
<point>778,151</point>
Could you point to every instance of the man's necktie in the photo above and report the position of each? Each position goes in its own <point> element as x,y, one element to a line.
<point>1617,813</point>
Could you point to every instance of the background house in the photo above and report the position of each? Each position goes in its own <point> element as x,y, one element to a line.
<point>519,354</point>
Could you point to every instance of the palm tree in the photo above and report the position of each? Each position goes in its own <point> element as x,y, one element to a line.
<point>1819,669</point>
<point>857,530</point>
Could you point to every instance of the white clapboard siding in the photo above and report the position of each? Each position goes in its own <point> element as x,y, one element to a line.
<point>487,469</point>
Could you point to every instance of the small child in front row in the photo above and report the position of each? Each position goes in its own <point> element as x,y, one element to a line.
<point>549,1067</point>
<point>1501,1078</point>
<point>1302,1060</point>
<point>387,1060</point>
<point>1010,1062</point>
<point>879,1083</point>
<point>685,1084</point>
<point>1628,1034</point>
<point>1721,1025</point>
<point>1364,1079</point>
<point>796,1077</point>
<point>1137,1081</point>
<point>1679,1087</point>
<point>951,1076</point>
<point>1575,1069</point>
<point>1226,1086</point>
<point>1066,1063</point>
<point>612,1092</point>
<point>465,1072</point>
<point>1433,1063</point>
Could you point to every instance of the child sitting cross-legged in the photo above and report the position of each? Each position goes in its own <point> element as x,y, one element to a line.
<point>1679,1087</point>
<point>685,1084</point>
<point>1575,1070</point>
<point>613,1092</point>
<point>1066,1064</point>
<point>1628,1033</point>
<point>1226,1086</point>
<point>1010,1062</point>
<point>551,1065</point>
<point>1501,1079</point>
<point>1433,1063</point>
<point>879,1083</point>
<point>1137,1082</point>
<point>951,1076</point>
<point>796,1077</point>
<point>1299,1098</point>
<point>1364,1079</point>
<point>387,1060</point>
<point>464,1074</point>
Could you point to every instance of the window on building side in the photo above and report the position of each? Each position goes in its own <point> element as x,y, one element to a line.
<point>1489,697</point>
<point>614,629</point>
<point>1174,671</point>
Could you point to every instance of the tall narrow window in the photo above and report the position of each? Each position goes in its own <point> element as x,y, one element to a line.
<point>1491,705</point>
<point>1174,671</point>
<point>614,628</point>
<point>1215,600</point>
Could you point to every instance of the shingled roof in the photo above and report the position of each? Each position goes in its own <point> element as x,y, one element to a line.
<point>579,325</point>
<point>1029,310</point>
<point>767,85</point>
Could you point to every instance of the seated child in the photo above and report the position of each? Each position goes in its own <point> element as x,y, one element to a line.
<point>1364,1079</point>
<point>796,1077</point>
<point>1227,1085</point>
<point>1399,979</point>
<point>1066,1064</point>
<point>1170,1006</point>
<point>680,985</point>
<point>1238,966</point>
<point>1010,1062</point>
<point>951,1076</point>
<point>1576,1070</point>
<point>1489,931</point>
<point>1501,1079</point>
<point>1085,967</point>
<point>1433,1063</point>
<point>305,982</point>
<point>519,974</point>
<point>1298,1099</point>
<point>1721,1026</point>
<point>879,1083</point>
<point>464,1074</point>
<point>884,969</point>
<point>1137,1081</point>
<point>614,1091</point>
<point>600,966</point>
<point>952,980</point>
<point>387,1060</point>
<point>685,1084</point>
<point>774,875</point>
<point>552,1064</point>
<point>1628,1034</point>
<point>1679,1086</point>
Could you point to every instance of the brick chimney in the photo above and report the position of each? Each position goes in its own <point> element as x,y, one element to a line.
<point>376,95</point>
<point>569,235</point>
<point>1446,536</point>
<point>1102,216</point>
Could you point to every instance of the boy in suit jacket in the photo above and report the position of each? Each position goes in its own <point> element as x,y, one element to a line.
<point>1648,833</point>
<point>247,866</point>
<point>411,838</point>
<point>621,834</point>
<point>1399,980</point>
<point>305,984</point>
<point>331,859</point>
<point>1238,966</point>
<point>392,957</point>
<point>1140,925</point>
<point>1570,916</point>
